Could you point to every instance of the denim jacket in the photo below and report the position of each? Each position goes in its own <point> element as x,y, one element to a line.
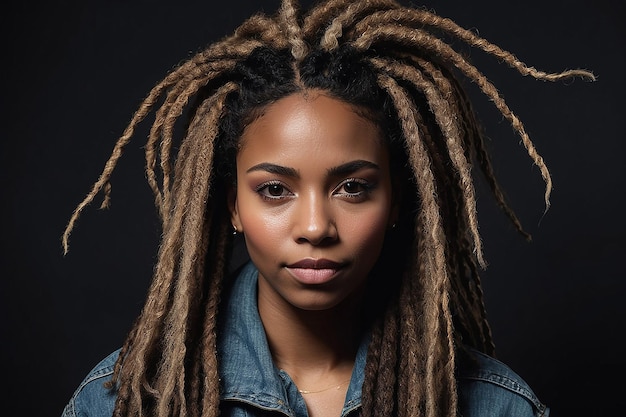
<point>252,386</point>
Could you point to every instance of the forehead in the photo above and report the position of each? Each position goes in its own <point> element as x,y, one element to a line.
<point>313,122</point>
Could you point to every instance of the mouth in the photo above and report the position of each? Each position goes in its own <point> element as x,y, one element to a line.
<point>314,271</point>
<point>310,263</point>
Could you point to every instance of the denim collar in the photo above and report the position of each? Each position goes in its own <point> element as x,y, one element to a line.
<point>247,371</point>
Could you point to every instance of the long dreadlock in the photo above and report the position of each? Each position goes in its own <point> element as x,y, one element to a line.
<point>394,63</point>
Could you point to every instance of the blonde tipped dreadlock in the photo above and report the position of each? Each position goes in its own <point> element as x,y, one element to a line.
<point>395,64</point>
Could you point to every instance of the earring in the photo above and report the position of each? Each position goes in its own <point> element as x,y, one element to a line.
<point>235,231</point>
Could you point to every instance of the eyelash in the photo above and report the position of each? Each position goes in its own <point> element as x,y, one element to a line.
<point>264,187</point>
<point>366,188</point>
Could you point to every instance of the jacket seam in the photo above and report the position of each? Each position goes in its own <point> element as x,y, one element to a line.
<point>510,385</point>
<point>97,374</point>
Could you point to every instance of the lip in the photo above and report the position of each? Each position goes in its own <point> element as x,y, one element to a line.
<point>314,271</point>
<point>310,263</point>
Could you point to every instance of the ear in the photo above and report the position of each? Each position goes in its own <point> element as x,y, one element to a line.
<point>234,210</point>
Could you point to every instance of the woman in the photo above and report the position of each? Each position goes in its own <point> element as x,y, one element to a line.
<point>335,149</point>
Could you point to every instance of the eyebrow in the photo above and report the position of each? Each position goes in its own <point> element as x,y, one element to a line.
<point>341,170</point>
<point>274,169</point>
<point>351,167</point>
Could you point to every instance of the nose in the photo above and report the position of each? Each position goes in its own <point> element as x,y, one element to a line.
<point>314,222</point>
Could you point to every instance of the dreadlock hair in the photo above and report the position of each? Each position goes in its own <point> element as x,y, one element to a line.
<point>393,64</point>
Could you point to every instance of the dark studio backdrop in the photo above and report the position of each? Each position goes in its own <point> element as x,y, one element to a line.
<point>74,71</point>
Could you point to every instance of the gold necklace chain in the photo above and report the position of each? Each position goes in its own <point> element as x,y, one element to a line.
<point>304,391</point>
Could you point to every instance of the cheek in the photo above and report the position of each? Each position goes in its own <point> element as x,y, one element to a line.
<point>366,232</point>
<point>264,232</point>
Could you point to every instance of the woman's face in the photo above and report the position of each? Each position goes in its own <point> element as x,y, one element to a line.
<point>313,200</point>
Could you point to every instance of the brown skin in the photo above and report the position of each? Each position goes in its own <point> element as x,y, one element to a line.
<point>313,182</point>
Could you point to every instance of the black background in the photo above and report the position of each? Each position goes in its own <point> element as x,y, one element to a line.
<point>74,71</point>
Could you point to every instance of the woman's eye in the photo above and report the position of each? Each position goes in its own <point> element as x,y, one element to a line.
<point>353,188</point>
<point>273,191</point>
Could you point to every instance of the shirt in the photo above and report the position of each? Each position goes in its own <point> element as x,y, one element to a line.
<point>252,386</point>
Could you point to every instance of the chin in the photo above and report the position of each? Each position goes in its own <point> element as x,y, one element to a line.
<point>323,302</point>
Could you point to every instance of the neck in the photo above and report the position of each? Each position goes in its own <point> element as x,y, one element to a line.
<point>312,346</point>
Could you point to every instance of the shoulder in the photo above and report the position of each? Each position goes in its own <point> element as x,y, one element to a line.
<point>489,388</point>
<point>92,398</point>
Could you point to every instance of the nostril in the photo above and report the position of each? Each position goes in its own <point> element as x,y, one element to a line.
<point>319,236</point>
<point>314,220</point>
